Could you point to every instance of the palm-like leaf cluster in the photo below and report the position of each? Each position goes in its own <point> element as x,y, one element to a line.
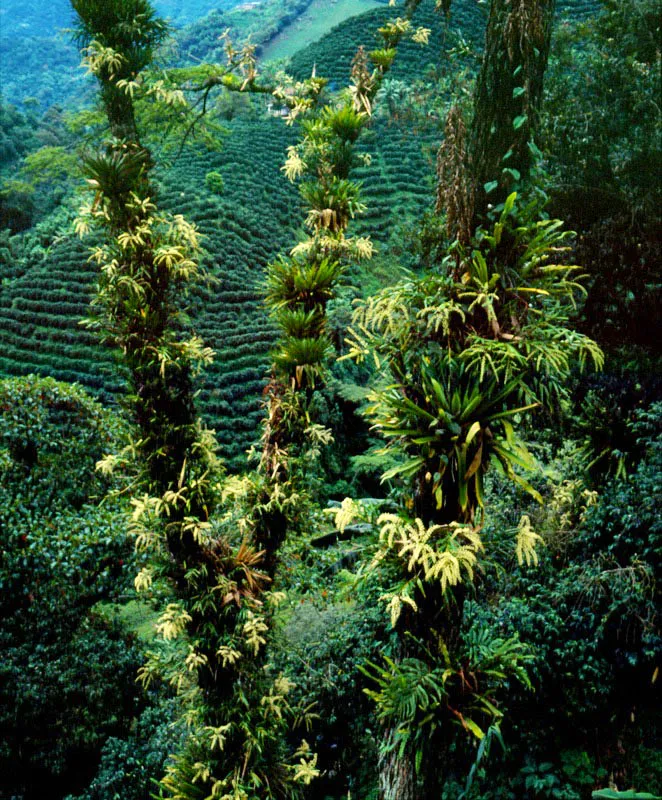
<point>418,700</point>
<point>467,351</point>
<point>298,290</point>
<point>302,284</point>
<point>131,28</point>
<point>323,159</point>
<point>115,173</point>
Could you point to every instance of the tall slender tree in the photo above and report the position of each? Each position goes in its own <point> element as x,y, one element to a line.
<point>508,97</point>
<point>500,142</point>
<point>220,606</point>
<point>484,337</point>
<point>121,38</point>
<point>300,285</point>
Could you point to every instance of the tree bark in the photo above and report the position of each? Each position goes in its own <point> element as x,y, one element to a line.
<point>508,96</point>
<point>397,775</point>
<point>120,112</point>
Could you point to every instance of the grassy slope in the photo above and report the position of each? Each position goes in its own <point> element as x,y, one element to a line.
<point>319,18</point>
<point>249,224</point>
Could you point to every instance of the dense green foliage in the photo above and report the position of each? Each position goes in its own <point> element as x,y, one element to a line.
<point>482,621</point>
<point>229,315</point>
<point>609,152</point>
<point>62,553</point>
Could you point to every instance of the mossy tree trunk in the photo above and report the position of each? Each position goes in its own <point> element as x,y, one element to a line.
<point>507,98</point>
<point>118,106</point>
<point>397,776</point>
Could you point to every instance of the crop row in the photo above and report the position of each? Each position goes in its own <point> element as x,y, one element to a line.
<point>257,216</point>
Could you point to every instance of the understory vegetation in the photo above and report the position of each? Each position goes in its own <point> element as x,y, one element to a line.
<point>330,412</point>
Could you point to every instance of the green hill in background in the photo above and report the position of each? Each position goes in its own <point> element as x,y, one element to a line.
<point>38,60</point>
<point>255,217</point>
<point>310,26</point>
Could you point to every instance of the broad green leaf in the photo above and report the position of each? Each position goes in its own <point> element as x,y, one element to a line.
<point>475,463</point>
<point>406,469</point>
<point>534,149</point>
<point>511,412</point>
<point>522,459</point>
<point>514,173</point>
<point>470,725</point>
<point>442,399</point>
<point>470,407</point>
<point>473,430</point>
<point>478,488</point>
<point>508,206</point>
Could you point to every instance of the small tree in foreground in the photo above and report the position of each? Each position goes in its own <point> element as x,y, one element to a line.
<point>465,351</point>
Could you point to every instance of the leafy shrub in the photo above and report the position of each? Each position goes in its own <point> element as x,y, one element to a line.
<point>130,765</point>
<point>51,435</point>
<point>67,674</point>
<point>589,615</point>
<point>323,648</point>
<point>67,683</point>
<point>606,408</point>
<point>214,182</point>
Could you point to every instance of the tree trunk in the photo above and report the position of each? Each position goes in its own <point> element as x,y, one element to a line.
<point>397,776</point>
<point>120,112</point>
<point>508,97</point>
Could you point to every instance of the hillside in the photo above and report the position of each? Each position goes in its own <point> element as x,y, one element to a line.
<point>438,574</point>
<point>39,330</point>
<point>38,59</point>
<point>253,220</point>
<point>333,54</point>
<point>248,225</point>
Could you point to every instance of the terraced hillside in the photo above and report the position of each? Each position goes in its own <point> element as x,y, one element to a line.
<point>39,329</point>
<point>332,56</point>
<point>255,216</point>
<point>243,229</point>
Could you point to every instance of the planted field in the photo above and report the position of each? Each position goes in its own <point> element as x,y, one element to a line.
<point>247,218</point>
<point>333,55</point>
<point>243,229</point>
<point>256,217</point>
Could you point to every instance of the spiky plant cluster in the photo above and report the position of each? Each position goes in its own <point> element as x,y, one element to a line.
<point>300,285</point>
<point>465,351</point>
<point>469,348</point>
<point>214,630</point>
